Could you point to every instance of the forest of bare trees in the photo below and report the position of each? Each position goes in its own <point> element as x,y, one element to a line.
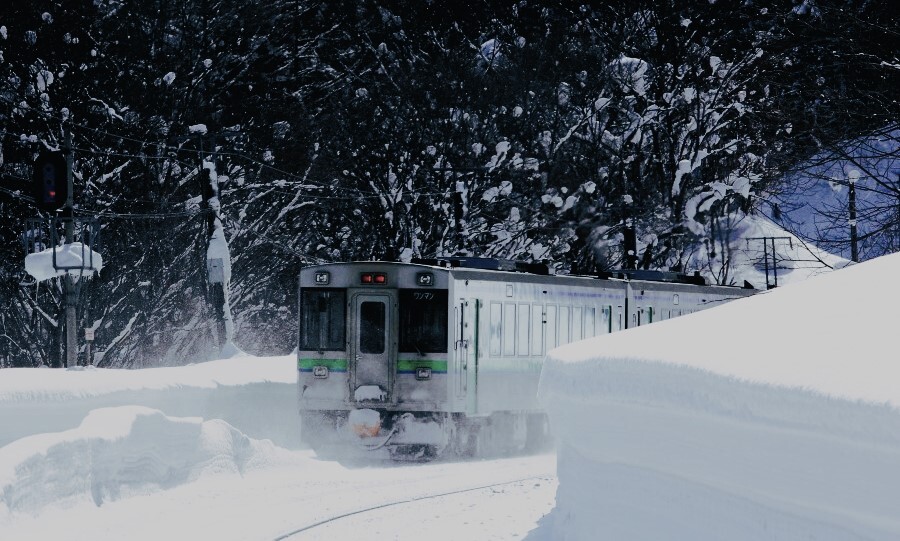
<point>375,129</point>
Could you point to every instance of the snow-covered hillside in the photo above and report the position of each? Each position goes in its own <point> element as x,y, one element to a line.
<point>761,252</point>
<point>772,417</point>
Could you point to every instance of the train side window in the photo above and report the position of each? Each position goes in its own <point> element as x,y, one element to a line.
<point>576,324</point>
<point>423,321</point>
<point>509,329</point>
<point>496,329</point>
<point>523,330</point>
<point>537,329</point>
<point>590,324</point>
<point>323,319</point>
<point>607,319</point>
<point>565,327</point>
<point>371,327</point>
<point>551,327</point>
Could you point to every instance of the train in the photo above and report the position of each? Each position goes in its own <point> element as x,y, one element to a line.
<point>445,355</point>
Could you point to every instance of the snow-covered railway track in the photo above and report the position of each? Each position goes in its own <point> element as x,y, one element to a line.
<point>297,534</point>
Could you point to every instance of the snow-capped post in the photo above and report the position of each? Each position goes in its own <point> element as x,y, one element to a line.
<point>218,257</point>
<point>852,177</point>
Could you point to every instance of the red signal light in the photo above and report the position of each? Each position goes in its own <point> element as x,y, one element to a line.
<point>380,278</point>
<point>366,278</point>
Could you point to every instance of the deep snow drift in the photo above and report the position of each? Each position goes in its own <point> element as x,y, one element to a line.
<point>166,453</point>
<point>771,417</point>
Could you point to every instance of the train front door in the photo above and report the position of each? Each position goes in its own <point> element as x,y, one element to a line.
<point>466,351</point>
<point>372,348</point>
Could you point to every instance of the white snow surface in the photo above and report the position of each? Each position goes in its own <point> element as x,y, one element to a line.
<point>211,451</point>
<point>771,417</point>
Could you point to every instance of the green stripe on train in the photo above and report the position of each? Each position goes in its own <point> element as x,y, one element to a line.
<point>332,364</point>
<point>409,365</point>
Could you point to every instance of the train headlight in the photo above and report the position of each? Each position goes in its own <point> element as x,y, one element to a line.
<point>423,373</point>
<point>424,279</point>
<point>320,372</point>
<point>322,278</point>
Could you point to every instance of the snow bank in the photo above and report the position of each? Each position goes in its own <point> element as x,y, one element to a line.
<point>117,452</point>
<point>771,417</point>
<point>18,384</point>
<point>255,394</point>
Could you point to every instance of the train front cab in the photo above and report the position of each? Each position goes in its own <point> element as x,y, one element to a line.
<point>373,338</point>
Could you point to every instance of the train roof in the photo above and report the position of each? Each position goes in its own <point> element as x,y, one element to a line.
<point>537,270</point>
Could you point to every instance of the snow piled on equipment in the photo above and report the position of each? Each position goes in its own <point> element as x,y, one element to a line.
<point>774,416</point>
<point>78,257</point>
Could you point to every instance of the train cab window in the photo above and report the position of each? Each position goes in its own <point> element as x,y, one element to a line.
<point>423,321</point>
<point>323,319</point>
<point>371,327</point>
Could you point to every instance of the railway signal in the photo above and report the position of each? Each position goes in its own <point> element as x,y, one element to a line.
<point>51,187</point>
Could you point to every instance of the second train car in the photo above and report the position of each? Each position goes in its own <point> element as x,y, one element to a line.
<point>420,358</point>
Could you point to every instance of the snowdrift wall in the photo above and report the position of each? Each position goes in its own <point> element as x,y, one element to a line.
<point>754,420</point>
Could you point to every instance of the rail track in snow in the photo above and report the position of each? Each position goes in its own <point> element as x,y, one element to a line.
<point>330,520</point>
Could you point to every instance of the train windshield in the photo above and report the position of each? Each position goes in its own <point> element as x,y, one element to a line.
<point>322,319</point>
<point>423,321</point>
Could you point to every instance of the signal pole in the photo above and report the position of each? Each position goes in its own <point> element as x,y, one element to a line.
<point>69,214</point>
<point>854,249</point>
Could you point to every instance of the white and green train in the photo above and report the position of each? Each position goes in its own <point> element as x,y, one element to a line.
<point>418,358</point>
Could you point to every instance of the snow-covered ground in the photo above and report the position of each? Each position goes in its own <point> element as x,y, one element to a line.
<point>211,451</point>
<point>771,417</point>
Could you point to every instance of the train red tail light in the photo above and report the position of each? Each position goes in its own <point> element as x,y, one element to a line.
<point>369,278</point>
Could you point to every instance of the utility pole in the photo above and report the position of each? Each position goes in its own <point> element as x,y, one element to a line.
<point>765,241</point>
<point>629,234</point>
<point>460,202</point>
<point>218,256</point>
<point>852,177</point>
<point>69,220</point>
